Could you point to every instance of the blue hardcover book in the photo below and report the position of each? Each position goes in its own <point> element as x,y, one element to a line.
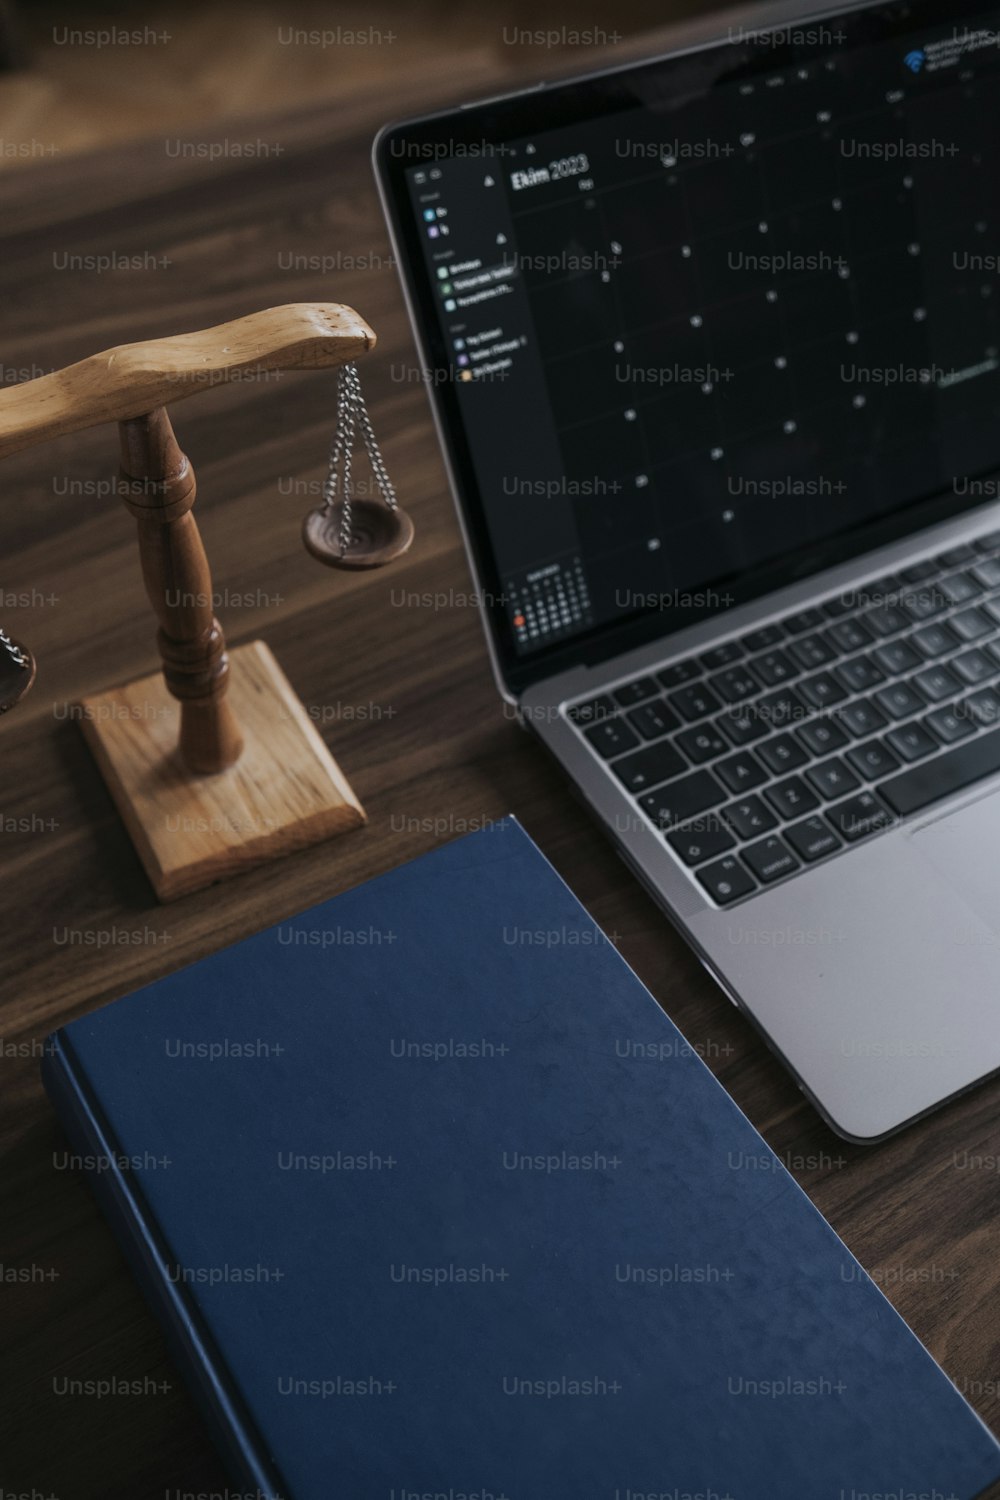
<point>434,1200</point>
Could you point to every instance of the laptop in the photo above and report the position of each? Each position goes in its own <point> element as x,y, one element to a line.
<point>713,346</point>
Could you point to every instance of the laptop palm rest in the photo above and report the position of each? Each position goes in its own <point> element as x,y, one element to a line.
<point>964,847</point>
<point>877,1004</point>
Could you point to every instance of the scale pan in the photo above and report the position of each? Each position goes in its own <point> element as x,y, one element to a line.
<point>378,535</point>
<point>15,679</point>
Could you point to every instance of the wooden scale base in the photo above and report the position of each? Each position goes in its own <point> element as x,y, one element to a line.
<point>285,792</point>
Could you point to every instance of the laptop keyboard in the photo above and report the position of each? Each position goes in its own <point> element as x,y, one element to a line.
<point>772,751</point>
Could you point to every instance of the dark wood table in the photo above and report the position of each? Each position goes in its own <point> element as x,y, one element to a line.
<point>393,669</point>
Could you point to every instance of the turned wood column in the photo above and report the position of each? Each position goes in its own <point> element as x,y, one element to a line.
<point>159,490</point>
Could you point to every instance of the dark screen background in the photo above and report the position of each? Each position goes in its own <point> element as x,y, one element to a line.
<point>697,336</point>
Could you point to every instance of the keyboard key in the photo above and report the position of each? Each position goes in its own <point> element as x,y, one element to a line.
<point>923,604</point>
<point>859,816</point>
<point>935,640</point>
<point>993,647</point>
<point>781,708</point>
<point>872,760</point>
<point>811,651</point>
<point>988,543</point>
<point>950,724</point>
<point>859,674</point>
<point>927,783</point>
<point>635,692</point>
<point>749,817</point>
<point>842,605</point>
<point>822,736</point>
<point>959,588</point>
<point>955,556</point>
<point>805,619</point>
<point>592,712</point>
<point>898,656</point>
<point>912,741</point>
<point>983,707</point>
<point>862,717</point>
<point>678,673</point>
<point>763,639</point>
<point>653,720</point>
<point>721,656</point>
<point>791,798</point>
<point>832,778</point>
<point>882,589</point>
<point>770,859</point>
<point>726,880</point>
<point>971,624</point>
<point>849,635</point>
<point>741,773</point>
<point>703,839</point>
<point>972,666</point>
<point>822,690</point>
<point>782,754</point>
<point>886,619</point>
<point>812,838</point>
<point>937,683</point>
<point>647,768</point>
<point>987,573</point>
<point>743,726</point>
<point>735,684</point>
<point>899,700</point>
<point>611,738</point>
<point>917,572</point>
<point>774,667</point>
<point>694,703</point>
<point>701,744</point>
<point>992,608</point>
<point>680,801</point>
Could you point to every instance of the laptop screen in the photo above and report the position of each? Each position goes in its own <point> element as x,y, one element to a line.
<point>698,318</point>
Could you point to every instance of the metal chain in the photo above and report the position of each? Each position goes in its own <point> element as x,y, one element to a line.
<point>333,460</point>
<point>340,455</point>
<point>372,448</point>
<point>352,413</point>
<point>16,655</point>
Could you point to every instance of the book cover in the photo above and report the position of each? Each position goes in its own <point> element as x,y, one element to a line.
<point>433,1199</point>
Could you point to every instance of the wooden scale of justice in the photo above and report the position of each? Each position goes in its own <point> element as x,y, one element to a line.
<point>214,765</point>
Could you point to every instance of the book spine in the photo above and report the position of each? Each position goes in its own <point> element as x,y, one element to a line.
<point>120,1198</point>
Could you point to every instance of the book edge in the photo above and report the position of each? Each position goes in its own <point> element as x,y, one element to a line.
<point>190,1345</point>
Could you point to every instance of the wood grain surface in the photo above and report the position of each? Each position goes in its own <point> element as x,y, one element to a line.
<point>393,672</point>
<point>117,385</point>
<point>283,793</point>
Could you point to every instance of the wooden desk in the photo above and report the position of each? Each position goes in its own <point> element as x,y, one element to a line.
<point>394,671</point>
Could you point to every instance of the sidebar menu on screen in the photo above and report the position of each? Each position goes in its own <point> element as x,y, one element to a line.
<point>494,361</point>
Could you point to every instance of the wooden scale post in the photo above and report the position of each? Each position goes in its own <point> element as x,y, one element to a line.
<point>214,764</point>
